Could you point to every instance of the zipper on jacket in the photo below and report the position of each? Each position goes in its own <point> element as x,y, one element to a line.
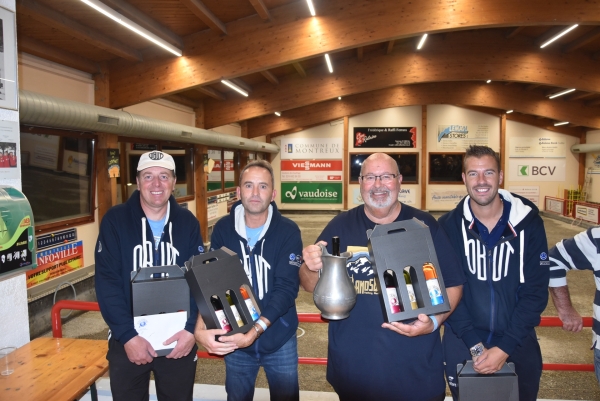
<point>492,294</point>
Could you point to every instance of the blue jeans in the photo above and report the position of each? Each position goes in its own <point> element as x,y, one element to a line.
<point>597,363</point>
<point>281,368</point>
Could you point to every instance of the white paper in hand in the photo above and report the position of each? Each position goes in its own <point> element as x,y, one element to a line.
<point>158,328</point>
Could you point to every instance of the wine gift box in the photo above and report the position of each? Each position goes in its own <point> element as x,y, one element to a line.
<point>157,291</point>
<point>500,386</point>
<point>407,244</point>
<point>214,274</point>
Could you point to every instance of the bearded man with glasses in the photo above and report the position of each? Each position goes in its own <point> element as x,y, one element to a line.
<point>369,359</point>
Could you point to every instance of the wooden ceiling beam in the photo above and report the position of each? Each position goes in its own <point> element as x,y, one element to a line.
<point>299,69</point>
<point>145,21</point>
<point>464,93</point>
<point>595,102</point>
<point>359,53</point>
<point>389,46</point>
<point>200,10</point>
<point>270,77</point>
<point>207,90</point>
<point>530,120</point>
<point>468,56</point>
<point>580,95</point>
<point>58,20</point>
<point>240,82</point>
<point>582,41</point>
<point>391,19</point>
<point>513,32</point>
<point>57,55</point>
<point>184,101</point>
<point>261,9</point>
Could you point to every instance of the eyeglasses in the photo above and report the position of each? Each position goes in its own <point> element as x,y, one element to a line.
<point>384,178</point>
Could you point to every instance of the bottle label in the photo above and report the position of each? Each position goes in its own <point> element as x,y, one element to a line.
<point>252,309</point>
<point>393,299</point>
<point>434,292</point>
<point>223,320</point>
<point>411,296</point>
<point>237,316</point>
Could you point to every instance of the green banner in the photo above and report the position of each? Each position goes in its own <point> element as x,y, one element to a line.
<point>311,192</point>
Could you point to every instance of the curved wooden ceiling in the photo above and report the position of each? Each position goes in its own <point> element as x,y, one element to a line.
<point>275,49</point>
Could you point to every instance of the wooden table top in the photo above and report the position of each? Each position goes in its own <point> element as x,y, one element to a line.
<point>54,369</point>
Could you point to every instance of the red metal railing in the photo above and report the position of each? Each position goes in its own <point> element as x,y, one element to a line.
<point>547,321</point>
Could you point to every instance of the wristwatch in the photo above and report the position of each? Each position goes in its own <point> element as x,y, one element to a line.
<point>476,350</point>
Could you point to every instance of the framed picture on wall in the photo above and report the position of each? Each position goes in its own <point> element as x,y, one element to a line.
<point>445,168</point>
<point>408,165</point>
<point>8,60</point>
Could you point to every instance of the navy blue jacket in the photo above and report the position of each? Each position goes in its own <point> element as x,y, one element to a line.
<point>125,243</point>
<point>506,289</point>
<point>272,268</point>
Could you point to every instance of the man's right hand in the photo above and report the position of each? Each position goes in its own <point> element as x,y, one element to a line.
<point>207,339</point>
<point>139,351</point>
<point>572,320</point>
<point>312,256</point>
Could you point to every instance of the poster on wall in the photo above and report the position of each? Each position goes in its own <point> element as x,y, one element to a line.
<point>311,170</point>
<point>537,147</point>
<point>406,196</point>
<point>9,150</point>
<point>457,138</point>
<point>536,169</point>
<point>439,199</point>
<point>8,60</point>
<point>311,148</point>
<point>55,262</point>
<point>385,137</point>
<point>214,177</point>
<point>311,192</point>
<point>528,192</point>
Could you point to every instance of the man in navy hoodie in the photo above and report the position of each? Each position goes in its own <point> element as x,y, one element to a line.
<point>150,229</point>
<point>502,245</point>
<point>270,248</point>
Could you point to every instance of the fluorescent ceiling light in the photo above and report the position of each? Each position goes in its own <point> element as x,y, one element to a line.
<point>488,81</point>
<point>561,34</point>
<point>422,42</point>
<point>234,87</point>
<point>329,66</point>
<point>129,24</point>
<point>509,111</point>
<point>278,114</point>
<point>561,123</point>
<point>561,93</point>
<point>311,8</point>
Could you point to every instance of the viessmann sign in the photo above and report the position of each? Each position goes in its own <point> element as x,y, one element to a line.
<point>311,170</point>
<point>311,192</point>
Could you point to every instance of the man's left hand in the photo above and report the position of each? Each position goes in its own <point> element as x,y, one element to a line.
<point>185,343</point>
<point>490,361</point>
<point>423,325</point>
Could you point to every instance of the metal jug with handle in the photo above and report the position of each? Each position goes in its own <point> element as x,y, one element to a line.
<point>334,293</point>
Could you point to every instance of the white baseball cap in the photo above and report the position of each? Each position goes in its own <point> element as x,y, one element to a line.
<point>156,158</point>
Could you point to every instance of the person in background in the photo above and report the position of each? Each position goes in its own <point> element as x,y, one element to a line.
<point>582,252</point>
<point>369,359</point>
<point>502,244</point>
<point>269,246</point>
<point>150,229</point>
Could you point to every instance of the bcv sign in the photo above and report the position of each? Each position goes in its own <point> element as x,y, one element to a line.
<point>537,169</point>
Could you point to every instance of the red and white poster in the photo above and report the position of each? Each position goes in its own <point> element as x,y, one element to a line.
<point>311,170</point>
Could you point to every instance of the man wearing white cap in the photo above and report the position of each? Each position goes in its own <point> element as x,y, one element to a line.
<point>150,229</point>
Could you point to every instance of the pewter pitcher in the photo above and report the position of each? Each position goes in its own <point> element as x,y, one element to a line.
<point>334,293</point>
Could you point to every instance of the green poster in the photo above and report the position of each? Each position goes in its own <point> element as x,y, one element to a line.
<point>311,192</point>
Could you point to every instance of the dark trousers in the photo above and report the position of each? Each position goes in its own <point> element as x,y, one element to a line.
<point>174,378</point>
<point>527,359</point>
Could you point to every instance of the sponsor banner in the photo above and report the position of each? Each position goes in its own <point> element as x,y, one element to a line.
<point>586,213</point>
<point>212,211</point>
<point>406,196</point>
<point>17,248</point>
<point>555,205</point>
<point>55,262</point>
<point>537,147</point>
<point>311,170</point>
<point>537,169</point>
<point>457,138</point>
<point>311,148</point>
<point>385,137</point>
<point>59,237</point>
<point>75,163</point>
<point>529,192</point>
<point>447,197</point>
<point>314,192</point>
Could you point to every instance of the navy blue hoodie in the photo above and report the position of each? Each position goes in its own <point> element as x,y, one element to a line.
<point>125,243</point>
<point>272,268</point>
<point>506,289</point>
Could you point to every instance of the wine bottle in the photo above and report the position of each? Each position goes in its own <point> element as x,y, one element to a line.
<point>433,286</point>
<point>335,246</point>
<point>411,290</point>
<point>392,293</point>
<point>234,309</point>
<point>249,304</point>
<point>218,306</point>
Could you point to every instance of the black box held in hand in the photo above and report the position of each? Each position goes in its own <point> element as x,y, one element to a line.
<point>407,270</point>
<point>500,386</point>
<point>222,291</point>
<point>157,292</point>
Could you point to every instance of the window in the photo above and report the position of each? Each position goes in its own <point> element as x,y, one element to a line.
<point>223,175</point>
<point>445,168</point>
<point>408,165</point>
<point>58,176</point>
